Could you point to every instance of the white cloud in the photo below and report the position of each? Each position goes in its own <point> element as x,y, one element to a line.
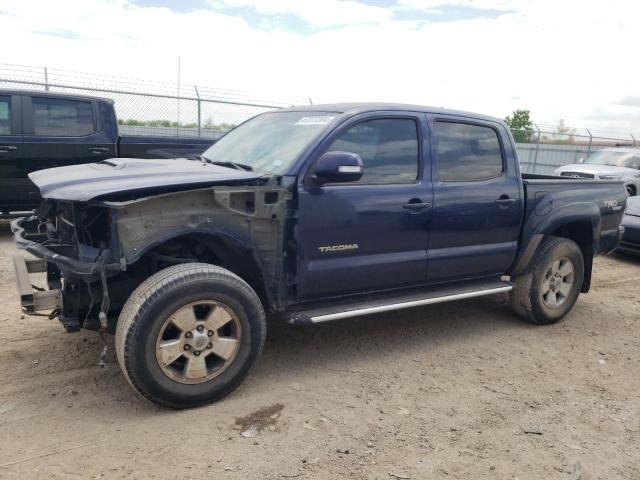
<point>323,13</point>
<point>480,4</point>
<point>561,59</point>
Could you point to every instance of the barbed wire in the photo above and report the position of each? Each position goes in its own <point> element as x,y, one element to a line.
<point>144,105</point>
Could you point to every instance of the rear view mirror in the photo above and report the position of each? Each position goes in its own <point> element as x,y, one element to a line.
<point>333,167</point>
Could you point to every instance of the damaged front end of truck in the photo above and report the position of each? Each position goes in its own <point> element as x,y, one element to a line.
<point>96,244</point>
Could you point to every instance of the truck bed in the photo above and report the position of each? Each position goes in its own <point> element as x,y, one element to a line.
<point>548,197</point>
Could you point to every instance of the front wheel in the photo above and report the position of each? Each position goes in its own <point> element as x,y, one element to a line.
<point>189,334</point>
<point>550,286</point>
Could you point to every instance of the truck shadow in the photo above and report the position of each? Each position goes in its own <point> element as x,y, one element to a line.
<point>292,354</point>
<point>419,330</point>
<point>626,258</point>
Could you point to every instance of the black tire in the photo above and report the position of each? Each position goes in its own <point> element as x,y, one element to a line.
<point>631,190</point>
<point>527,295</point>
<point>143,321</point>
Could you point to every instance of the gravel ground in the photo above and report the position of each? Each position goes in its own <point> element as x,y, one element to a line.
<point>456,391</point>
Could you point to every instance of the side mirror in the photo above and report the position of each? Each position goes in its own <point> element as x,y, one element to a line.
<point>581,160</point>
<point>334,167</point>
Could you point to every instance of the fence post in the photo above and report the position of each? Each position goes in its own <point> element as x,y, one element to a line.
<point>46,79</point>
<point>590,141</point>
<point>535,157</point>
<point>195,87</point>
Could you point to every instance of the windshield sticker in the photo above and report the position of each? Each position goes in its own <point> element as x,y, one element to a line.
<point>323,120</point>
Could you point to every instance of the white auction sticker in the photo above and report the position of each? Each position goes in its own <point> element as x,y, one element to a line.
<point>323,120</point>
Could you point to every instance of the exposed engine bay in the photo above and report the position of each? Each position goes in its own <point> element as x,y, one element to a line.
<point>97,252</point>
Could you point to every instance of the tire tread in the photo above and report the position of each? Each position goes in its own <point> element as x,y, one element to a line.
<point>520,297</point>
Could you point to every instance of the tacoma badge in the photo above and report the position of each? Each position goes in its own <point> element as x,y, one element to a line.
<point>338,248</point>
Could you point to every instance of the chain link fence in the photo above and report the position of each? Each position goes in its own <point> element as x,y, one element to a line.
<point>544,149</point>
<point>147,107</point>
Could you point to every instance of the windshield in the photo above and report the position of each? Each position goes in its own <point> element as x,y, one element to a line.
<point>269,142</point>
<point>615,159</point>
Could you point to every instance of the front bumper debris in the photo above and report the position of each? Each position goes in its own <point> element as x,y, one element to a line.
<point>31,242</point>
<point>32,300</point>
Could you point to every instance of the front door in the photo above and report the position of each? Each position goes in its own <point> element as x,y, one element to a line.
<point>477,201</point>
<point>371,234</point>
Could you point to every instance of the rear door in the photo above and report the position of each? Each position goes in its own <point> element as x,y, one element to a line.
<point>477,200</point>
<point>364,236</point>
<point>12,180</point>
<point>62,131</point>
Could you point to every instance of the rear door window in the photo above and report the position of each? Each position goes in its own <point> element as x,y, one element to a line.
<point>59,117</point>
<point>5,115</point>
<point>467,152</point>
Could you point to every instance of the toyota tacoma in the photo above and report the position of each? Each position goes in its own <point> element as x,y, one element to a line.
<point>303,215</point>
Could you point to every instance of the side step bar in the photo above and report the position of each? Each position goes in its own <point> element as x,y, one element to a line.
<point>398,301</point>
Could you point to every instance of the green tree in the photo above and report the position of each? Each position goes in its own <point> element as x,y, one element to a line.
<point>521,126</point>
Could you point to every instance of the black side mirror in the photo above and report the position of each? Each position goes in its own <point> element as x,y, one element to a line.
<point>333,167</point>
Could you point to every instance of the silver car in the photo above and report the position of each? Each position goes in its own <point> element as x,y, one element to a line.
<point>608,164</point>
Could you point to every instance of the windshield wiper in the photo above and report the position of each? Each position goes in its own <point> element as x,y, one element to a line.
<point>237,166</point>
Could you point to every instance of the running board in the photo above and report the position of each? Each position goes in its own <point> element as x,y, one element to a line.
<point>366,305</point>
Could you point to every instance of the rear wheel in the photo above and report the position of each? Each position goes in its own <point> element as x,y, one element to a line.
<point>550,286</point>
<point>631,190</point>
<point>189,334</point>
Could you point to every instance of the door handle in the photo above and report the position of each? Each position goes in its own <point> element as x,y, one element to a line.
<point>416,206</point>
<point>98,149</point>
<point>8,148</point>
<point>505,201</point>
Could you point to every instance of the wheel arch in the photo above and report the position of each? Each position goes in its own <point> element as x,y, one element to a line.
<point>632,187</point>
<point>213,248</point>
<point>579,222</point>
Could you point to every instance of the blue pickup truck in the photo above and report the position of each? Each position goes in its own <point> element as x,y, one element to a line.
<point>304,215</point>
<point>45,129</point>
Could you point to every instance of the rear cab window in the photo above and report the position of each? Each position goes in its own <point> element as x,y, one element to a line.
<point>5,115</point>
<point>62,117</point>
<point>467,152</point>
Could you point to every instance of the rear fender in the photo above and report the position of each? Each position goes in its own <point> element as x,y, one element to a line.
<point>580,222</point>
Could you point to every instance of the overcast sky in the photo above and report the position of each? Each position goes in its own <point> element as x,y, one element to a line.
<point>577,60</point>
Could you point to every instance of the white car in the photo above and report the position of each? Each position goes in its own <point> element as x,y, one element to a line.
<point>608,164</point>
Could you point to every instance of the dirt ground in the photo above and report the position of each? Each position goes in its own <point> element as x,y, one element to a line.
<point>456,391</point>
